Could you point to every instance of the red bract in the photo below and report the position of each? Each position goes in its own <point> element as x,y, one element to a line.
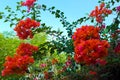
<point>92,72</point>
<point>48,75</point>
<point>117,48</point>
<point>23,28</point>
<point>98,13</point>
<point>17,65</point>
<point>101,62</point>
<point>26,49</point>
<point>28,3</point>
<point>85,33</point>
<point>89,51</point>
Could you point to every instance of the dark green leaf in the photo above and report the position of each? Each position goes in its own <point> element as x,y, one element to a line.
<point>11,24</point>
<point>53,12</point>
<point>6,21</point>
<point>44,6</point>
<point>53,8</point>
<point>23,11</point>
<point>58,11</point>
<point>0,17</point>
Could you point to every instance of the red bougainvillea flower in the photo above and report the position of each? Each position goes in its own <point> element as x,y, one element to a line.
<point>98,13</point>
<point>101,62</point>
<point>117,48</point>
<point>87,52</point>
<point>26,49</point>
<point>117,31</point>
<point>23,28</point>
<point>16,65</point>
<point>92,72</point>
<point>85,33</point>
<point>48,75</point>
<point>28,3</point>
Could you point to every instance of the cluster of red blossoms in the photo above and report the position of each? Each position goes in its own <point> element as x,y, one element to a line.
<point>99,12</point>
<point>23,28</point>
<point>28,3</point>
<point>89,49</point>
<point>85,33</point>
<point>18,64</point>
<point>26,49</point>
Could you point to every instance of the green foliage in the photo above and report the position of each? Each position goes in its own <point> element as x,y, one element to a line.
<point>47,59</point>
<point>39,39</point>
<point>61,57</point>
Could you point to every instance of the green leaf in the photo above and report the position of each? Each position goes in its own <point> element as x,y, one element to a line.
<point>39,38</point>
<point>118,0</point>
<point>11,24</point>
<point>23,11</point>
<point>18,7</point>
<point>58,11</point>
<point>57,15</point>
<point>0,17</point>
<point>53,12</point>
<point>44,6</point>
<point>53,8</point>
<point>22,17</point>
<point>18,2</point>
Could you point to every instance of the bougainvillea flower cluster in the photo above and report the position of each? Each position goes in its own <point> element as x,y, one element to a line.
<point>23,28</point>
<point>28,3</point>
<point>26,49</point>
<point>85,33</point>
<point>98,13</point>
<point>18,64</point>
<point>89,49</point>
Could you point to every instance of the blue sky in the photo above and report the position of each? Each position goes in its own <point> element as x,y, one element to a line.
<point>73,9</point>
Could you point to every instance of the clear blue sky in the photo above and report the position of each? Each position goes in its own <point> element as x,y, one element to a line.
<point>73,10</point>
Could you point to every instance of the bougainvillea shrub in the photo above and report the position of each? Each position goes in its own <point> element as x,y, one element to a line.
<point>91,52</point>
